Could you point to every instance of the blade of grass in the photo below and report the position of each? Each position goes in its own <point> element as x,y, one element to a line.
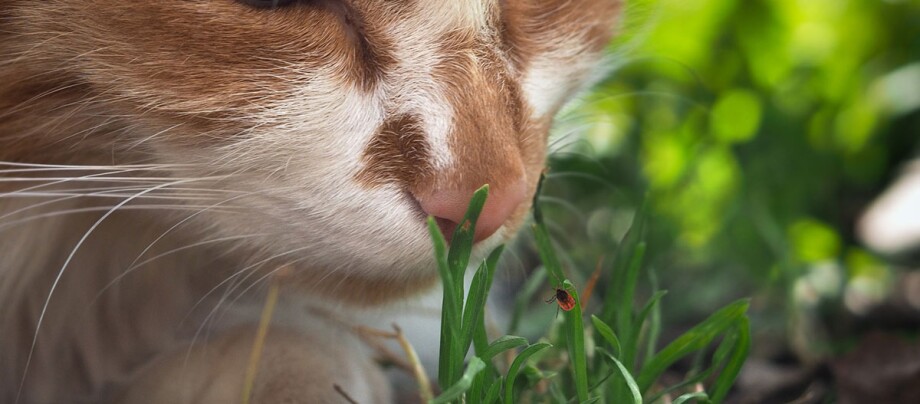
<point>614,301</point>
<point>474,311</point>
<point>463,384</point>
<point>607,333</point>
<point>693,340</point>
<point>268,309</point>
<point>516,367</point>
<point>726,378</point>
<point>654,325</point>
<point>547,252</point>
<point>718,359</point>
<point>492,394</point>
<point>699,396</point>
<point>624,315</point>
<point>501,345</point>
<point>450,307</point>
<point>627,377</point>
<point>576,343</point>
<point>461,243</point>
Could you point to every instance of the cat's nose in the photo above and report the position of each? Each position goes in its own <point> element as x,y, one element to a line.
<point>449,206</point>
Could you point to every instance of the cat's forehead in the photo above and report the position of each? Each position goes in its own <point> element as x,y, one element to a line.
<point>228,65</point>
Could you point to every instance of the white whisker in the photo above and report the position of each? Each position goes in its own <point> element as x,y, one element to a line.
<point>57,279</point>
<point>135,265</point>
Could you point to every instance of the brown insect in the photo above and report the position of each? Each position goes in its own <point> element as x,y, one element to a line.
<point>563,299</point>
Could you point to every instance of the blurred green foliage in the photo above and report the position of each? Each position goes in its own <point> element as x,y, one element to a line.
<point>760,129</point>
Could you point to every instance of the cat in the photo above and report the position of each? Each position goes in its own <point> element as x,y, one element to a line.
<point>163,161</point>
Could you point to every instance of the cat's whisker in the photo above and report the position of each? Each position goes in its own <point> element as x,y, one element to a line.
<point>17,222</point>
<point>231,277</point>
<point>63,197</point>
<point>566,205</point>
<point>138,143</point>
<point>135,265</point>
<point>60,274</point>
<point>251,269</point>
<point>175,226</point>
<point>31,167</point>
<point>556,175</point>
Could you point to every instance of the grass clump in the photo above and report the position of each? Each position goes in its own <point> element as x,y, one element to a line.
<point>600,362</point>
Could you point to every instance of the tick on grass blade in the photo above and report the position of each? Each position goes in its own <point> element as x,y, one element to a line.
<point>563,299</point>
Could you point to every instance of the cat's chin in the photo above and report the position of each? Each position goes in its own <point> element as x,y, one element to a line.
<point>370,284</point>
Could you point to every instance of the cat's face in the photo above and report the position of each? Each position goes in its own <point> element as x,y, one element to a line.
<point>342,122</point>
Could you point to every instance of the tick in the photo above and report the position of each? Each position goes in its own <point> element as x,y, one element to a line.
<point>563,299</point>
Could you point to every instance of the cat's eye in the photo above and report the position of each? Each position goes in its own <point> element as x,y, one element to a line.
<point>267,3</point>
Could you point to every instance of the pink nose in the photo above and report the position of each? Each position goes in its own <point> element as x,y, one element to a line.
<point>449,206</point>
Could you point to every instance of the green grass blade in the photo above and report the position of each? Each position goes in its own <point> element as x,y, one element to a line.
<point>698,396</point>
<point>718,360</point>
<point>461,243</point>
<point>614,301</point>
<point>537,213</point>
<point>501,345</point>
<point>653,313</point>
<point>547,252</point>
<point>449,307</point>
<point>475,304</point>
<point>492,394</point>
<point>463,384</point>
<point>654,327</point>
<point>576,343</point>
<point>474,312</point>
<point>695,339</point>
<point>742,346</point>
<point>624,312</point>
<point>649,306</point>
<point>627,378</point>
<point>556,395</point>
<point>516,367</point>
<point>604,330</point>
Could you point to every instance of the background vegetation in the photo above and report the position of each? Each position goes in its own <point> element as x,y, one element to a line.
<point>760,130</point>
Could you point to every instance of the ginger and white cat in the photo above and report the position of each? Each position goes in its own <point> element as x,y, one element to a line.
<point>160,159</point>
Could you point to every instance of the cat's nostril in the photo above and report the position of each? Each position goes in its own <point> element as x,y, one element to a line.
<point>449,206</point>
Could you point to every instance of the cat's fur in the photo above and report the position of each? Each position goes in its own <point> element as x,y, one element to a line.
<point>169,155</point>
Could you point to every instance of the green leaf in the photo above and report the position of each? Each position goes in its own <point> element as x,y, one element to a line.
<point>614,302</point>
<point>652,309</point>
<point>547,252</point>
<point>456,391</point>
<point>742,346</point>
<point>630,281</point>
<point>473,313</point>
<point>450,307</point>
<point>718,359</point>
<point>627,378</point>
<point>699,396</point>
<point>516,367</point>
<point>461,244</point>
<point>649,307</point>
<point>492,394</point>
<point>604,330</point>
<point>575,330</point>
<point>695,339</point>
<point>502,344</point>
